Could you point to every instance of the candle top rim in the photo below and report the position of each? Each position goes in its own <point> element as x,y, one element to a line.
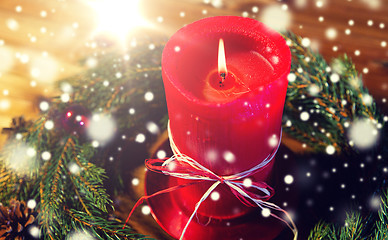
<point>246,27</point>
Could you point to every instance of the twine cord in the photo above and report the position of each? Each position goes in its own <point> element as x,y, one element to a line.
<point>184,167</point>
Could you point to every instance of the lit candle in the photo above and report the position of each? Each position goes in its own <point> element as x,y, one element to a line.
<point>225,80</point>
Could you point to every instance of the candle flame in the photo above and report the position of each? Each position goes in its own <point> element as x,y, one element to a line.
<point>221,59</point>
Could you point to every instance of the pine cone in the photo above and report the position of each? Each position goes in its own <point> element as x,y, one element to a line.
<point>14,221</point>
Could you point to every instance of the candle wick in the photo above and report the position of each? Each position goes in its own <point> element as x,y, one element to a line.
<point>223,76</point>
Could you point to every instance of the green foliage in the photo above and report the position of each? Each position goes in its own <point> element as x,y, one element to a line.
<point>72,181</point>
<point>111,229</point>
<point>333,96</point>
<point>69,187</point>
<point>321,231</point>
<point>381,230</point>
<point>355,227</point>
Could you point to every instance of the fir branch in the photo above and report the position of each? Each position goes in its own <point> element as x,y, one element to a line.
<point>353,229</point>
<point>381,230</point>
<point>102,228</point>
<point>331,104</point>
<point>321,231</point>
<point>356,227</point>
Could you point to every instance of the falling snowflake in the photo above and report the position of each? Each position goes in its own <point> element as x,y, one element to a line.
<point>101,128</point>
<point>80,235</point>
<point>275,17</point>
<point>363,134</point>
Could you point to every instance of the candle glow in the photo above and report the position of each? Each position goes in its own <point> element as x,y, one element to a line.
<point>117,17</point>
<point>222,70</point>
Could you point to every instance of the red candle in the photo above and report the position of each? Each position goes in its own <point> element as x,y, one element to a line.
<point>226,118</point>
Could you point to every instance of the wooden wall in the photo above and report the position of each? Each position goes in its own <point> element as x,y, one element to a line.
<point>62,29</point>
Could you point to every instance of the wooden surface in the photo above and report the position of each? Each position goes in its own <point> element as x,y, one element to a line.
<point>63,30</point>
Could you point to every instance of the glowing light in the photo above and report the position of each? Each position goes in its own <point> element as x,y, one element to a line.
<point>91,62</point>
<point>44,69</point>
<point>273,141</point>
<point>331,33</point>
<point>101,128</point>
<point>24,58</point>
<point>221,58</point>
<point>5,104</point>
<point>43,14</point>
<point>149,96</point>
<point>135,182</point>
<point>367,99</point>
<point>161,154</point>
<point>330,149</point>
<point>291,77</point>
<point>18,8</point>
<point>140,138</point>
<point>217,3</point>
<point>275,17</point>
<point>34,231</point>
<point>314,90</point>
<point>21,159</point>
<point>117,17</point>
<point>146,210</point>
<point>334,77</point>
<point>306,42</point>
<point>80,235</point>
<point>229,157</point>
<point>95,144</point>
<point>215,196</point>
<point>152,128</point>
<point>31,203</point>
<point>319,4</point>
<point>304,116</point>
<point>266,212</point>
<point>74,168</point>
<point>288,179</point>
<point>363,134</point>
<point>375,202</point>
<point>46,155</point>
<point>6,59</point>
<point>49,125</point>
<point>12,24</point>
<point>247,182</point>
<point>65,97</point>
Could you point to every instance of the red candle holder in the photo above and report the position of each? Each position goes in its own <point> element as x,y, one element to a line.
<point>229,128</point>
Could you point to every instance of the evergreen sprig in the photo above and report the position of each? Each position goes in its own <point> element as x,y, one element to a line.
<point>330,96</point>
<point>69,186</point>
<point>355,227</point>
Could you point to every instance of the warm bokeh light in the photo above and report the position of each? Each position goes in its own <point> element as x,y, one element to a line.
<point>117,17</point>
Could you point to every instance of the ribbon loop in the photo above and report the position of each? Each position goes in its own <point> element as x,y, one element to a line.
<point>253,194</point>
